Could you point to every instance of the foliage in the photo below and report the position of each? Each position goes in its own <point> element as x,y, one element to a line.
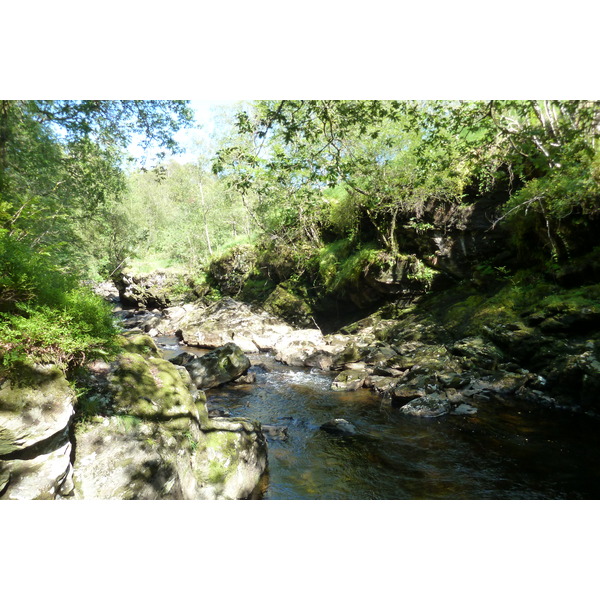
<point>361,167</point>
<point>61,184</point>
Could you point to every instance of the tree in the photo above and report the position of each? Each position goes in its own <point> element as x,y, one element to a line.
<point>61,182</point>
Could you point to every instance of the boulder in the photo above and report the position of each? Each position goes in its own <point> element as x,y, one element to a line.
<point>464,409</point>
<point>220,366</point>
<point>155,290</point>
<point>231,321</point>
<point>46,476</point>
<point>432,405</point>
<point>349,380</point>
<point>339,427</point>
<point>33,409</point>
<point>295,347</point>
<point>158,441</point>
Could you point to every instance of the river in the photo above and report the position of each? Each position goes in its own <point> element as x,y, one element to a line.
<point>507,450</point>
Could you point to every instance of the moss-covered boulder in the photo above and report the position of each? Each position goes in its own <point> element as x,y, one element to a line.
<point>219,366</point>
<point>150,388</point>
<point>156,441</point>
<point>139,343</point>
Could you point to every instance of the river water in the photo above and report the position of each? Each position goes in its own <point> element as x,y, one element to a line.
<point>507,450</point>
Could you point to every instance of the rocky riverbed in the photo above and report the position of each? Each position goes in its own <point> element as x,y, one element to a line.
<point>142,426</point>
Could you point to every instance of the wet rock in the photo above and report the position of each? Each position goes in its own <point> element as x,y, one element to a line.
<point>219,366</point>
<point>275,432</point>
<point>403,393</point>
<point>381,384</point>
<point>245,379</point>
<point>349,380</point>
<point>464,409</point>
<point>339,426</point>
<point>432,405</point>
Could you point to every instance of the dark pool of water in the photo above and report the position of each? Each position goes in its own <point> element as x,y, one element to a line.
<point>507,450</point>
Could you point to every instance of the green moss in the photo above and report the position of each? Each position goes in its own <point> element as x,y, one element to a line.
<point>256,289</point>
<point>150,388</point>
<point>139,343</point>
<point>217,472</point>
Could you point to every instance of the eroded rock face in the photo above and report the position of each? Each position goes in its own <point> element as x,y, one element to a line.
<point>35,409</point>
<point>45,476</point>
<point>35,414</point>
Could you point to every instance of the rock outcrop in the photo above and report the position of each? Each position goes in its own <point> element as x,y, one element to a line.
<point>229,320</point>
<point>36,411</point>
<point>142,432</point>
<point>155,440</point>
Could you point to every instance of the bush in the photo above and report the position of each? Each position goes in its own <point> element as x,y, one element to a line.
<point>45,315</point>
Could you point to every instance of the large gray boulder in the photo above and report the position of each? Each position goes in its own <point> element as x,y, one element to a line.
<point>219,366</point>
<point>231,321</point>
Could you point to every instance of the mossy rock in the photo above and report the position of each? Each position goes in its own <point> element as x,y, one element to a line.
<point>289,306</point>
<point>35,406</point>
<point>229,271</point>
<point>150,388</point>
<point>139,343</point>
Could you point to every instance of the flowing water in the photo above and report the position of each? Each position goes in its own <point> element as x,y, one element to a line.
<point>507,450</point>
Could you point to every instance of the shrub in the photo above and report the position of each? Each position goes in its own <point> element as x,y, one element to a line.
<point>45,314</point>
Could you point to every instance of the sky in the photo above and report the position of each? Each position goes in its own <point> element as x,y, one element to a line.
<point>191,139</point>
